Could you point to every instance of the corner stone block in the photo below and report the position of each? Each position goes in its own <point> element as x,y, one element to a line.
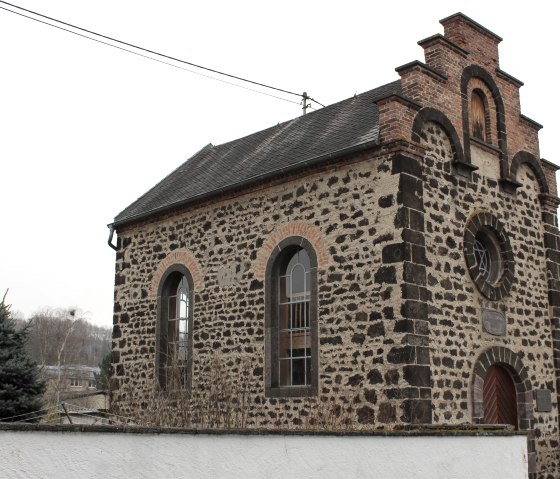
<point>405,164</point>
<point>404,355</point>
<point>417,375</point>
<point>417,411</point>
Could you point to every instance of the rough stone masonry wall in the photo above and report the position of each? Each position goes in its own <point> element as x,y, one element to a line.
<point>353,207</point>
<point>457,335</point>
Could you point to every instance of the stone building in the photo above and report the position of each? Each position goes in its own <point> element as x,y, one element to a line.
<point>392,259</point>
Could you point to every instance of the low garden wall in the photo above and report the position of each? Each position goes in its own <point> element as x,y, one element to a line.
<point>68,452</point>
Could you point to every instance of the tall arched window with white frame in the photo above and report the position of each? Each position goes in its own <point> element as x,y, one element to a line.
<point>294,332</point>
<point>175,330</point>
<point>291,320</point>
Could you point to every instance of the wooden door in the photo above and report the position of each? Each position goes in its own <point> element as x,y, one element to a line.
<point>500,397</point>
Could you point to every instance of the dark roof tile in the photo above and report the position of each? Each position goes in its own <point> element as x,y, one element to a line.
<point>332,129</point>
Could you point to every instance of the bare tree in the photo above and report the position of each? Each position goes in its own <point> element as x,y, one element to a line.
<point>64,336</point>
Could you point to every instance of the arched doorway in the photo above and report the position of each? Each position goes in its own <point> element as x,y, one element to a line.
<point>499,397</point>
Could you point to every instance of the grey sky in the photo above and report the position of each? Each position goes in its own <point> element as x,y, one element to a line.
<point>85,128</point>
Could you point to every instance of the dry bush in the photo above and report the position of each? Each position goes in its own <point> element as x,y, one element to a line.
<point>222,404</point>
<point>222,400</point>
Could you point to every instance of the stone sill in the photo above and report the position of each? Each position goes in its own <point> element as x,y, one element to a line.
<point>485,146</point>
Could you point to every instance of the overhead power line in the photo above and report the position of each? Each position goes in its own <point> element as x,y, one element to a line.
<point>303,96</point>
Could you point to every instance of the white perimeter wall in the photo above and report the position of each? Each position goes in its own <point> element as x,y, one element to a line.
<point>61,455</point>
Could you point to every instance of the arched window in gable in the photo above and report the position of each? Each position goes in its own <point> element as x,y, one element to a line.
<point>479,115</point>
<point>292,344</point>
<point>175,330</point>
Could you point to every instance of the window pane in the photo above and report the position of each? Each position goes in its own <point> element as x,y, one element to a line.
<point>478,116</point>
<point>284,346</point>
<point>284,316</point>
<point>172,331</point>
<point>172,307</point>
<point>298,283</point>
<point>285,373</point>
<point>298,372</point>
<point>183,326</point>
<point>284,289</point>
<point>304,259</point>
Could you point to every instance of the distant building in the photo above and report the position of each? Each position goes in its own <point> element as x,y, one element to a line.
<point>393,258</point>
<point>77,386</point>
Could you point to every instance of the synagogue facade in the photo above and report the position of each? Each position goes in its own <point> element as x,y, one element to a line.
<point>389,260</point>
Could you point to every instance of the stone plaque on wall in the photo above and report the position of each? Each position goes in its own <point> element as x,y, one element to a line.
<point>230,275</point>
<point>544,400</point>
<point>494,322</point>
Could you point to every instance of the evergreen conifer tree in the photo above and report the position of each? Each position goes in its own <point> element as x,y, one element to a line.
<point>21,389</point>
<point>104,375</point>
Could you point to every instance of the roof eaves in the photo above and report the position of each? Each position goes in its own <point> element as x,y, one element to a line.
<point>247,182</point>
<point>204,149</point>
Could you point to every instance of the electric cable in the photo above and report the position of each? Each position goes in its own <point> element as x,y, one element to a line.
<point>151,52</point>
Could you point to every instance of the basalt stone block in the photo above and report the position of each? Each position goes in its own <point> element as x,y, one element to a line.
<point>414,273</point>
<point>392,376</point>
<point>402,355</point>
<point>394,253</point>
<point>417,375</point>
<point>387,413</point>
<point>366,415</point>
<point>405,164</point>
<point>416,220</point>
<point>370,396</point>
<point>374,377</point>
<point>414,310</point>
<point>355,380</point>
<point>402,393</point>
<point>417,411</point>
<point>410,192</point>
<point>404,326</point>
<point>376,330</point>
<point>358,338</point>
<point>386,274</point>
<point>386,201</point>
<point>117,333</point>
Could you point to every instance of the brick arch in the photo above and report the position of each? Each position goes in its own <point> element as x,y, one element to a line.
<point>475,71</point>
<point>427,115</point>
<point>286,230</point>
<point>178,257</point>
<point>523,157</point>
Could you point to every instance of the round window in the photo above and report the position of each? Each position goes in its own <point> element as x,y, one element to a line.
<point>488,255</point>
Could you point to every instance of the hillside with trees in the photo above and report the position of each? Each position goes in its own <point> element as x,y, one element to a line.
<point>62,337</point>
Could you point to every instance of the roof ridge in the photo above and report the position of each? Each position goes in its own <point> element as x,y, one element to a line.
<point>302,117</point>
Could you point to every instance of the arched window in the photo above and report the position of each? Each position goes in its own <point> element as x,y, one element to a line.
<point>175,330</point>
<point>479,116</point>
<point>294,332</point>
<point>499,397</point>
<point>292,320</point>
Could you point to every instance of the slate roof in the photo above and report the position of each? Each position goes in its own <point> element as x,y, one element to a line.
<point>311,138</point>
